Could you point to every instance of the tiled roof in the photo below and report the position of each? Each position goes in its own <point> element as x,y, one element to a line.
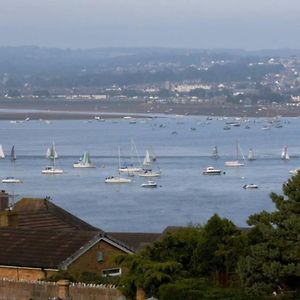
<point>43,214</point>
<point>135,240</point>
<point>40,248</point>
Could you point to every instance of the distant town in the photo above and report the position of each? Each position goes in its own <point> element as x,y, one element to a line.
<point>155,80</point>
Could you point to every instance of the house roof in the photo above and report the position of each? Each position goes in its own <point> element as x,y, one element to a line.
<point>135,240</point>
<point>36,213</point>
<point>40,248</point>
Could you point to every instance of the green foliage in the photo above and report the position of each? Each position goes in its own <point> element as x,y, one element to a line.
<point>196,289</point>
<point>218,248</point>
<point>273,261</point>
<point>85,277</point>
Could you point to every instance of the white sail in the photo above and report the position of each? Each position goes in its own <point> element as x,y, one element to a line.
<point>215,152</point>
<point>51,152</point>
<point>284,153</point>
<point>251,154</point>
<point>147,159</point>
<point>2,155</point>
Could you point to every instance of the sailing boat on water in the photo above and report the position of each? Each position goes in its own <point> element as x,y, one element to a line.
<point>2,155</point>
<point>52,170</point>
<point>215,153</point>
<point>236,163</point>
<point>251,155</point>
<point>285,154</point>
<point>118,178</point>
<point>13,156</point>
<point>130,168</point>
<point>84,162</point>
<point>51,152</point>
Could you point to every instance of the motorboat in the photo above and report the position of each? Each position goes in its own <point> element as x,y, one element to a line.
<point>212,171</point>
<point>117,179</point>
<point>250,186</point>
<point>149,184</point>
<point>148,173</point>
<point>11,180</point>
<point>51,170</point>
<point>84,162</point>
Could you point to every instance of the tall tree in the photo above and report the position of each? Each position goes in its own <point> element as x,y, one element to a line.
<point>273,262</point>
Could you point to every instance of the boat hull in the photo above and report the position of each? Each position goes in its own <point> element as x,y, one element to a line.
<point>117,180</point>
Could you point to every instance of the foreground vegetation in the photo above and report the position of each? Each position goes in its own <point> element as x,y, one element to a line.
<point>220,261</point>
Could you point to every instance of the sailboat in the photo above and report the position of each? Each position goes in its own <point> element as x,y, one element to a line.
<point>51,152</point>
<point>13,156</point>
<point>84,162</point>
<point>215,153</point>
<point>251,154</point>
<point>52,170</point>
<point>118,178</point>
<point>2,155</point>
<point>236,163</point>
<point>130,168</point>
<point>285,154</point>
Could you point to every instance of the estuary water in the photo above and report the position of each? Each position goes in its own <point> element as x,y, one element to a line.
<point>183,146</point>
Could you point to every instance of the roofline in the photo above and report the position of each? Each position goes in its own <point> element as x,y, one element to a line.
<point>64,265</point>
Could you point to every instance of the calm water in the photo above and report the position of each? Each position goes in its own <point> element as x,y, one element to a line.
<point>184,195</point>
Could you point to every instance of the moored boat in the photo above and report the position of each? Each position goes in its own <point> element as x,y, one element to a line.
<point>84,162</point>
<point>250,186</point>
<point>212,171</point>
<point>11,180</point>
<point>149,184</point>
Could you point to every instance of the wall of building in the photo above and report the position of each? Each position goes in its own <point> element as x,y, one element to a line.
<point>15,273</point>
<point>88,261</point>
<point>14,290</point>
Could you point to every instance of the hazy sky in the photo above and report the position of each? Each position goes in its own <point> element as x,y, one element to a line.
<point>249,24</point>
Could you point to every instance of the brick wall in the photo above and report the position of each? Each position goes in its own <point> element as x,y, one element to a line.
<point>21,290</point>
<point>88,261</point>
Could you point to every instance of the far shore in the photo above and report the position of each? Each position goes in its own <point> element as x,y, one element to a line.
<point>84,110</point>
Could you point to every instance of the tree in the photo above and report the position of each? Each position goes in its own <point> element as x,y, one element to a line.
<point>273,262</point>
<point>218,249</point>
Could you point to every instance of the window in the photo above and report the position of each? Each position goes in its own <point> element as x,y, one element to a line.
<point>111,272</point>
<point>99,256</point>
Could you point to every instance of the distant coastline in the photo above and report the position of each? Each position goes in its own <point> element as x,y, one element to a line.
<point>83,109</point>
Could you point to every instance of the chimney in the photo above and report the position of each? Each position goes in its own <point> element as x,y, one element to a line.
<point>4,200</point>
<point>8,218</point>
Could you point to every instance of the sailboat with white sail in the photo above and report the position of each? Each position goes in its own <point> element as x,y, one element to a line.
<point>251,155</point>
<point>118,178</point>
<point>84,162</point>
<point>236,163</point>
<point>131,168</point>
<point>13,156</point>
<point>284,154</point>
<point>2,155</point>
<point>51,152</point>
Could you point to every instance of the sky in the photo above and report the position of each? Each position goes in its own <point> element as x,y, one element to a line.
<point>247,24</point>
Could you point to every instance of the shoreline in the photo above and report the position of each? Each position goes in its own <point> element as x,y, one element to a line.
<point>86,110</point>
